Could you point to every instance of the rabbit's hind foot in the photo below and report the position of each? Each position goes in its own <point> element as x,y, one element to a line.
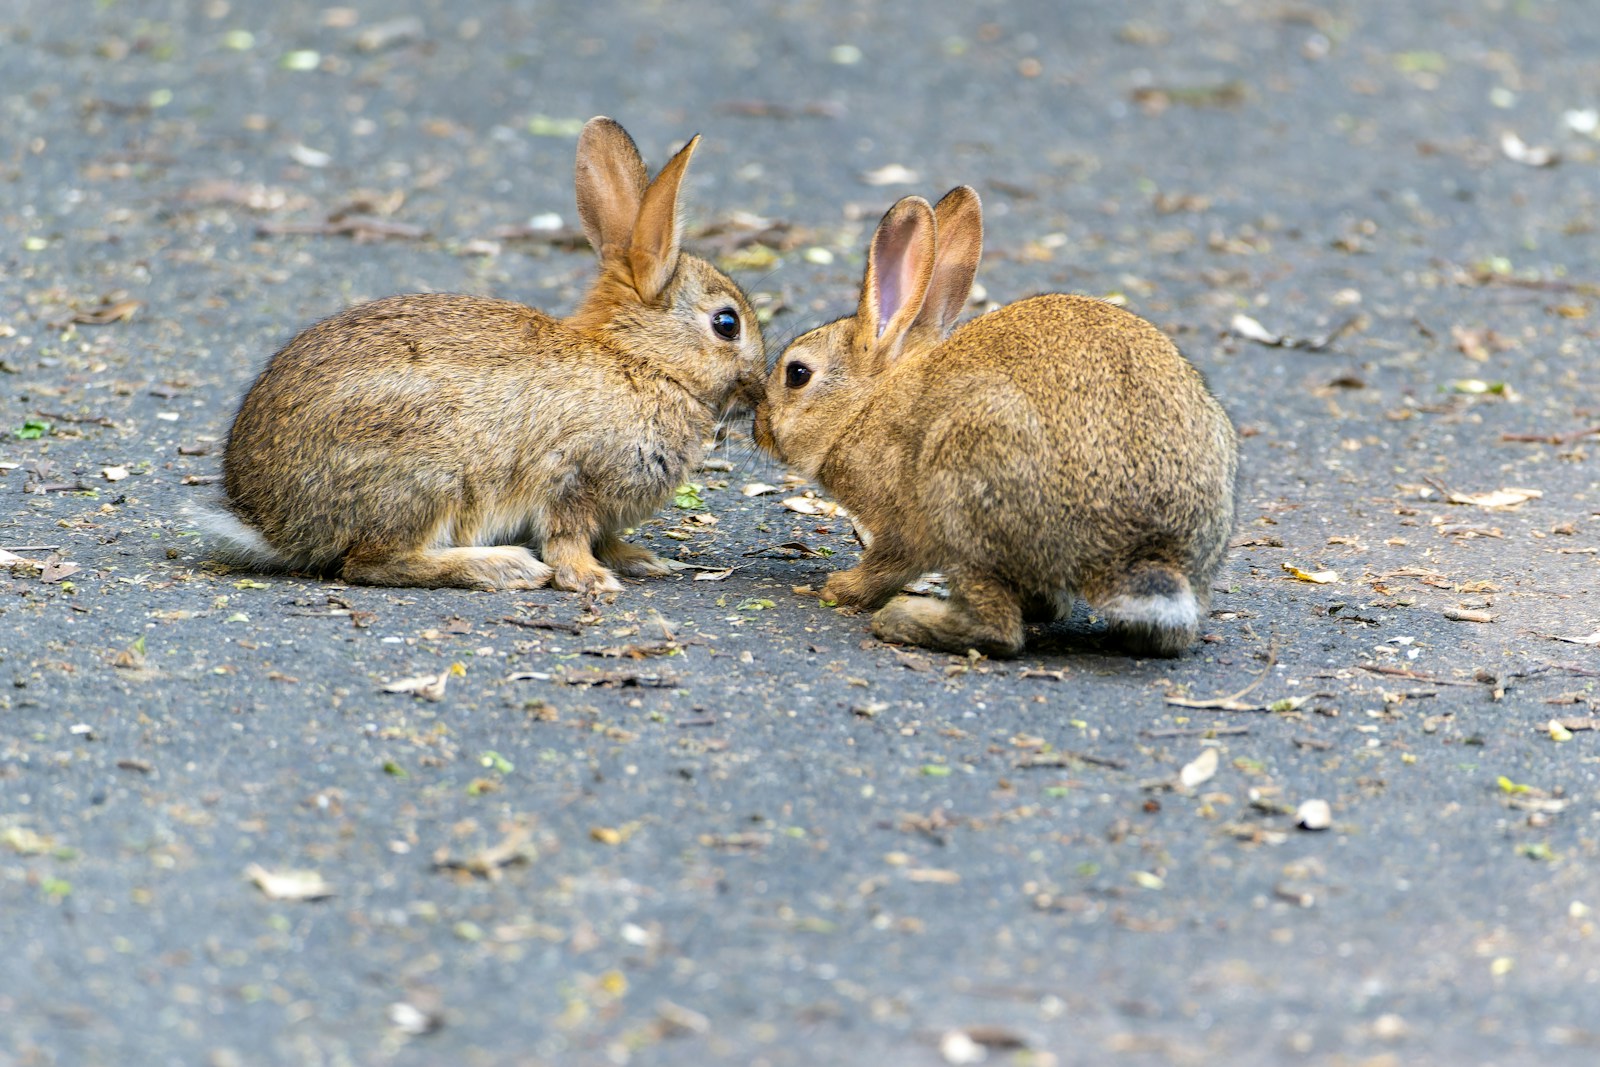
<point>498,567</point>
<point>981,615</point>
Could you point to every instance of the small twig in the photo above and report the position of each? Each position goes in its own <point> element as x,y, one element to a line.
<point>357,226</point>
<point>31,548</point>
<point>1065,758</point>
<point>97,420</point>
<point>1196,731</point>
<point>801,550</point>
<point>1415,676</point>
<point>1568,438</point>
<point>1231,701</point>
<point>544,624</point>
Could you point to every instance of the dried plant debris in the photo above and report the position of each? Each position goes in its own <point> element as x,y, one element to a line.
<point>1155,99</point>
<point>1314,577</point>
<point>1199,770</point>
<point>289,884</point>
<point>427,686</point>
<point>1313,814</point>
<point>515,848</point>
<point>1248,328</point>
<point>787,550</point>
<point>771,109</point>
<point>1518,151</point>
<point>891,174</point>
<point>613,679</point>
<point>811,504</point>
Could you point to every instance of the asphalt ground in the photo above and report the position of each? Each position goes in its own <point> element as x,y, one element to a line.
<point>714,821</point>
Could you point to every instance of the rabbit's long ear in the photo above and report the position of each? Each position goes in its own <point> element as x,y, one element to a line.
<point>611,182</point>
<point>899,266</point>
<point>653,250</point>
<point>958,241</point>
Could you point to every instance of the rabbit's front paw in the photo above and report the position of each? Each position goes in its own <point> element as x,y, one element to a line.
<point>636,562</point>
<point>588,578</point>
<point>850,589</point>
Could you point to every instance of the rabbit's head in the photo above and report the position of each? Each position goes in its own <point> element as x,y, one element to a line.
<point>919,274</point>
<point>682,315</point>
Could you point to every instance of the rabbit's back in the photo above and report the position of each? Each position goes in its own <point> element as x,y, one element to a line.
<point>475,412</point>
<point>1108,394</point>
<point>1083,438</point>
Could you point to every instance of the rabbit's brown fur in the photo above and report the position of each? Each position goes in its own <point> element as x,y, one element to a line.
<point>1056,447</point>
<point>427,439</point>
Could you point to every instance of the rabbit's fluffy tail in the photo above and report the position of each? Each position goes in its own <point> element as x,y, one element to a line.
<point>1153,611</point>
<point>232,541</point>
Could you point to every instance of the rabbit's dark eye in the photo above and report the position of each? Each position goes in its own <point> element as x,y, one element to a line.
<point>797,375</point>
<point>725,324</point>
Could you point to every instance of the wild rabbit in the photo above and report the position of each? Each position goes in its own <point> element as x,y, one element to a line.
<point>424,440</point>
<point>1054,448</point>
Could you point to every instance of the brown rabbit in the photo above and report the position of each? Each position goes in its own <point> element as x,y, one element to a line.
<point>1054,448</point>
<point>425,439</point>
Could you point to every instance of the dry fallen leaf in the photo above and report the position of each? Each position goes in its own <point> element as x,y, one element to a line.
<point>427,686</point>
<point>811,505</point>
<point>1251,330</point>
<point>107,312</point>
<point>891,174</point>
<point>713,576</point>
<point>1318,577</point>
<point>517,847</point>
<point>1198,770</point>
<point>1314,815</point>
<point>1518,151</point>
<point>1592,639</point>
<point>760,489</point>
<point>410,1019</point>
<point>289,885</point>
<point>958,1049</point>
<point>55,571</point>
<point>1498,499</point>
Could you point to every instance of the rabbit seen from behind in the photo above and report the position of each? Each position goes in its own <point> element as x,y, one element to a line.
<point>427,440</point>
<point>1055,448</point>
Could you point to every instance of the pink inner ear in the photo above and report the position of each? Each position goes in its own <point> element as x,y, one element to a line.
<point>895,273</point>
<point>890,290</point>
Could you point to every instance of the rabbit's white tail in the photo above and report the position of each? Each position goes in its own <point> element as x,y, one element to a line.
<point>232,541</point>
<point>1154,611</point>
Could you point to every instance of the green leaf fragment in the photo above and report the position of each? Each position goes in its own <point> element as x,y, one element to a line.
<point>546,126</point>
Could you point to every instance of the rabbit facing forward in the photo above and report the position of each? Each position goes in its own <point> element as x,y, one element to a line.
<point>429,440</point>
<point>1056,448</point>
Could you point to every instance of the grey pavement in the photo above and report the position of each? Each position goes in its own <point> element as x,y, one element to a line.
<point>714,821</point>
